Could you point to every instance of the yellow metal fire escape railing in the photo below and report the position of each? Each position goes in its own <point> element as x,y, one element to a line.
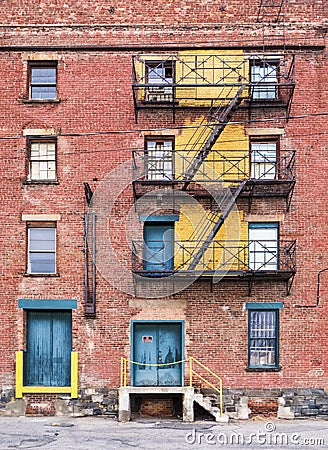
<point>194,369</point>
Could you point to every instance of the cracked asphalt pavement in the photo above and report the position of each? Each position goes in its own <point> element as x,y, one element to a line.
<point>65,433</point>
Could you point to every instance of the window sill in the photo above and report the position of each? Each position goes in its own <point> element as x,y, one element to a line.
<point>42,275</point>
<point>263,369</point>
<point>45,100</point>
<point>42,182</point>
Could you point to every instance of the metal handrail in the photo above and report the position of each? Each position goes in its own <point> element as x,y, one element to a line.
<point>226,255</point>
<point>197,70</point>
<point>125,362</point>
<point>220,165</point>
<point>209,371</point>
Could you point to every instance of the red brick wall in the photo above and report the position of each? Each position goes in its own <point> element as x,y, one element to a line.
<point>40,405</point>
<point>96,96</point>
<point>157,407</point>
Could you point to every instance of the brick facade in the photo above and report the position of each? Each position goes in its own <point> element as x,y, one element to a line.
<point>95,127</point>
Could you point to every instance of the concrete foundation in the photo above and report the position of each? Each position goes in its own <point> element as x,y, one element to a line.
<point>124,406</point>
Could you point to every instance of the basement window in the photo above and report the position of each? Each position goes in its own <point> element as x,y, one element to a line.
<point>43,81</point>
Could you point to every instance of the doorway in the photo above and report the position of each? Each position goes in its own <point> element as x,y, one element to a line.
<point>157,346</point>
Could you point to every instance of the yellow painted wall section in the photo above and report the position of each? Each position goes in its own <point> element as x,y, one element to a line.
<point>192,229</point>
<point>204,69</point>
<point>228,160</point>
<point>201,76</point>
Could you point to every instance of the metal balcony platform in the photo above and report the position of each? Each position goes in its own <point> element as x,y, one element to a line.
<point>199,80</point>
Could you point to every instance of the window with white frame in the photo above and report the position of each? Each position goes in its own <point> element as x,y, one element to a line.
<point>42,160</point>
<point>264,79</point>
<point>263,246</point>
<point>41,249</point>
<point>263,159</point>
<point>159,74</point>
<point>43,80</point>
<point>159,159</point>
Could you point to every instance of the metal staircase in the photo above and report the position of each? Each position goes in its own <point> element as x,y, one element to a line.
<point>218,117</point>
<point>198,252</point>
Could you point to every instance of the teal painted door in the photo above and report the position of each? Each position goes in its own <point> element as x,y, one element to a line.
<point>47,359</point>
<point>159,245</point>
<point>157,343</point>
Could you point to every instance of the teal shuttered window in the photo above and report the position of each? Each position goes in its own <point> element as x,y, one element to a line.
<point>47,360</point>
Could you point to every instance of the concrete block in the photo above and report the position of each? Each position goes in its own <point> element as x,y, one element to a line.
<point>15,408</point>
<point>284,410</point>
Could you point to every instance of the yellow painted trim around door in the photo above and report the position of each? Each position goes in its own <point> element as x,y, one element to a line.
<point>73,389</point>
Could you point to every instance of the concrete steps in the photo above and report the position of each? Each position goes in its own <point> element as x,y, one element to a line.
<point>206,403</point>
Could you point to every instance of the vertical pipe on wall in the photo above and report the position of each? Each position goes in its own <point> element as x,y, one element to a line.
<point>94,251</point>
<point>86,261</point>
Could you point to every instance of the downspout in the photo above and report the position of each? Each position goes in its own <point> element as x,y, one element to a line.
<point>318,285</point>
<point>318,292</point>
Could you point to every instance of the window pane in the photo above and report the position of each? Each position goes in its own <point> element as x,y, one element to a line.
<point>42,239</point>
<point>43,75</point>
<point>263,246</point>
<point>42,262</point>
<point>265,79</point>
<point>35,170</point>
<point>43,161</point>
<point>43,92</point>
<point>263,339</point>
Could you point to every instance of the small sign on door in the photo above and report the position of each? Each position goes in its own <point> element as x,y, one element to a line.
<point>147,338</point>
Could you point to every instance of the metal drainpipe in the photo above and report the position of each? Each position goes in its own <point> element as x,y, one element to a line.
<point>318,285</point>
<point>318,292</point>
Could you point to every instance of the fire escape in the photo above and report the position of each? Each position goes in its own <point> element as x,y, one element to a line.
<point>226,85</point>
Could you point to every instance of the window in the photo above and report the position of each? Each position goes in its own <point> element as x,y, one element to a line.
<point>263,246</point>
<point>160,74</point>
<point>47,361</point>
<point>43,81</point>
<point>41,249</point>
<point>159,159</point>
<point>42,164</point>
<point>158,246</point>
<point>263,327</point>
<point>264,77</point>
<point>264,159</point>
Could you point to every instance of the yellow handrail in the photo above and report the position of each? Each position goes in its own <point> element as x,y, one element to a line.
<point>219,390</point>
<point>192,362</point>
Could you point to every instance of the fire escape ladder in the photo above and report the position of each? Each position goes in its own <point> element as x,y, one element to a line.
<point>196,259</point>
<point>219,118</point>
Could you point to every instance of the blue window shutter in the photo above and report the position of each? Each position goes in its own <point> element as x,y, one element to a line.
<point>159,246</point>
<point>49,344</point>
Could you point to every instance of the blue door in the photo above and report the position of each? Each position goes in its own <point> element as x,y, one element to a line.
<point>159,246</point>
<point>47,359</point>
<point>157,343</point>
